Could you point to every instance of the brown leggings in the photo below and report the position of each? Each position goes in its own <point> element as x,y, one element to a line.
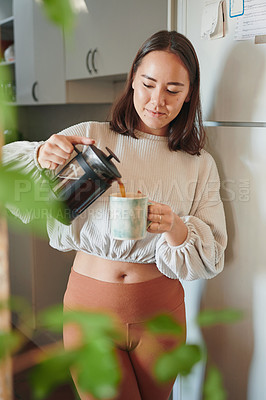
<point>132,303</point>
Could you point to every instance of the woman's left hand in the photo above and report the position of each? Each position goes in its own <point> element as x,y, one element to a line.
<point>164,220</point>
<point>161,217</point>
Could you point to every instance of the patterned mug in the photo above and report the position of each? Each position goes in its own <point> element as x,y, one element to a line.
<point>128,216</point>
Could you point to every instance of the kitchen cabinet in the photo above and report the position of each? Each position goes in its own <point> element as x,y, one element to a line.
<point>39,50</point>
<point>52,67</point>
<point>108,34</point>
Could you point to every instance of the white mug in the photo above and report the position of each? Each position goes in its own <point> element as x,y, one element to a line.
<point>128,216</point>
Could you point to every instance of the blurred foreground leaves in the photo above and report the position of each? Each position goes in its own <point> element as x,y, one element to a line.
<point>215,317</point>
<point>9,343</point>
<point>213,386</point>
<point>12,341</point>
<point>179,361</point>
<point>164,324</point>
<point>93,357</point>
<point>60,12</point>
<point>8,113</point>
<point>29,198</point>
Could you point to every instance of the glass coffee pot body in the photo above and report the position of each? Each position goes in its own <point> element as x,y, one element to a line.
<point>88,175</point>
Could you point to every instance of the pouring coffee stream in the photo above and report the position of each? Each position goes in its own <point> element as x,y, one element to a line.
<point>121,188</point>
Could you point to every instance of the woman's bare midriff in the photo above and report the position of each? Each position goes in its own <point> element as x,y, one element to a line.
<point>113,271</point>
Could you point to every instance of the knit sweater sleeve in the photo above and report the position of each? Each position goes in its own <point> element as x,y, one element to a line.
<point>23,154</point>
<point>202,253</point>
<point>22,157</point>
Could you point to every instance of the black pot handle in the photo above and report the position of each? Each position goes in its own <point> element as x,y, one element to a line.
<point>88,61</point>
<point>33,91</point>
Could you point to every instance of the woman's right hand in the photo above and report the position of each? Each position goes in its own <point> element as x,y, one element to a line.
<point>58,148</point>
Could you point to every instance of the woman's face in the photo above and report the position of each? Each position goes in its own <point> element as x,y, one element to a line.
<point>161,86</point>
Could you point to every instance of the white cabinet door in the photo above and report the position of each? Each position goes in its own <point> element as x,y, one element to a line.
<point>39,49</point>
<point>108,35</point>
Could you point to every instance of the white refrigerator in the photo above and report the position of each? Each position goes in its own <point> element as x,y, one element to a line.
<point>233,93</point>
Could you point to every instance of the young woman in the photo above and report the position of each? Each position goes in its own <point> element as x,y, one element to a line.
<point>156,131</point>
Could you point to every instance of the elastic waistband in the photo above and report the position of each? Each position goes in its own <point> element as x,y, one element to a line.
<point>129,300</point>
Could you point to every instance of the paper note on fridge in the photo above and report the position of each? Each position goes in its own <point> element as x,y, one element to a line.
<point>236,8</point>
<point>212,22</point>
<point>253,22</point>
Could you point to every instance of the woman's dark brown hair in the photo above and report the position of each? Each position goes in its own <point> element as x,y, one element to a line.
<point>186,131</point>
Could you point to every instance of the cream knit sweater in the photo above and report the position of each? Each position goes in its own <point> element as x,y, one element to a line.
<point>189,184</point>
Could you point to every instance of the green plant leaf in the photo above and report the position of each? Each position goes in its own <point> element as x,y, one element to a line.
<point>29,196</point>
<point>98,369</point>
<point>95,365</point>
<point>17,305</point>
<point>213,386</point>
<point>60,12</point>
<point>9,343</point>
<point>52,318</point>
<point>22,315</point>
<point>94,361</point>
<point>51,372</point>
<point>214,317</point>
<point>93,324</point>
<point>164,324</point>
<point>8,113</point>
<point>180,361</point>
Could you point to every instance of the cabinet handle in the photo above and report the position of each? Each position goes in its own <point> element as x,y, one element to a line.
<point>33,93</point>
<point>92,61</point>
<point>88,61</point>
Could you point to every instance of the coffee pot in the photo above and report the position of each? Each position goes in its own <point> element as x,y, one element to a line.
<point>83,179</point>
